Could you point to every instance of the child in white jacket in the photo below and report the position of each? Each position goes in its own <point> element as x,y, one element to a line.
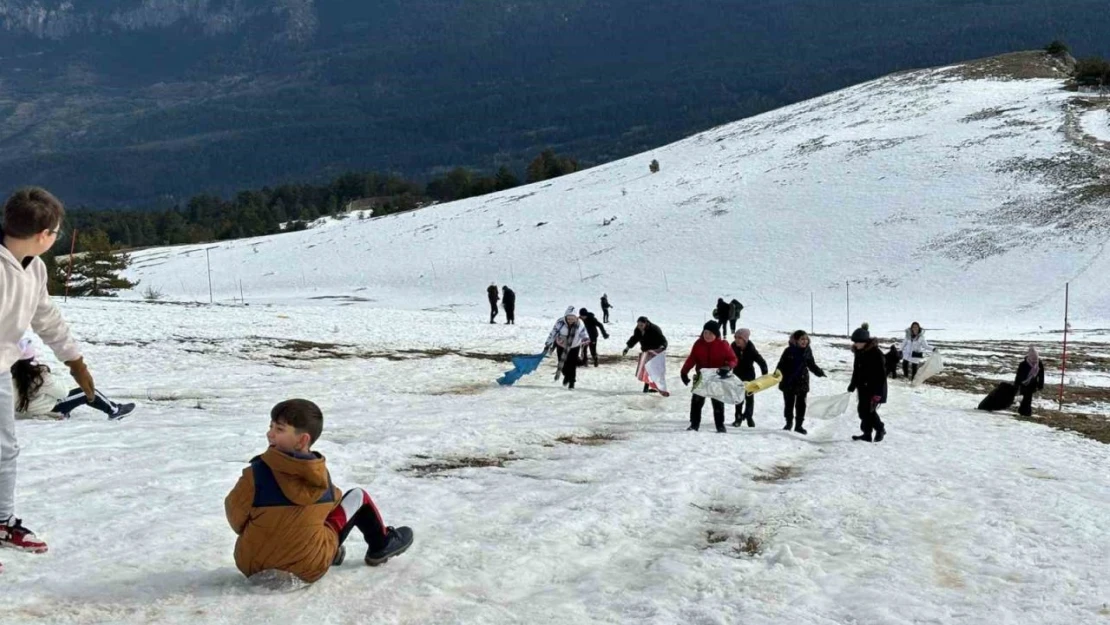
<point>38,394</point>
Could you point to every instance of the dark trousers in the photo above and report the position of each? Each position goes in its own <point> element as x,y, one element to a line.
<point>697,402</point>
<point>492,310</point>
<point>77,398</point>
<point>570,366</point>
<point>794,409</point>
<point>1026,407</point>
<point>869,420</point>
<point>605,315</point>
<point>593,351</point>
<point>732,325</point>
<point>745,410</point>
<point>356,509</point>
<point>907,367</point>
<point>510,315</point>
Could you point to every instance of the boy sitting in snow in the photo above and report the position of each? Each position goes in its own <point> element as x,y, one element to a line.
<point>289,516</point>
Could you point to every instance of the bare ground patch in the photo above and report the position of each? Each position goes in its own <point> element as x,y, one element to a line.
<point>428,467</point>
<point>778,473</point>
<point>595,439</point>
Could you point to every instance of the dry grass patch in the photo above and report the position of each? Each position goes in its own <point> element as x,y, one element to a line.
<point>596,439</point>
<point>438,467</point>
<point>749,545</point>
<point>779,473</point>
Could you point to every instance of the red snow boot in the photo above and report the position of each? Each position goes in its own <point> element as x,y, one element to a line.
<point>14,536</point>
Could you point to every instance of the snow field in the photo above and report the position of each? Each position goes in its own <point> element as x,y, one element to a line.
<point>958,517</point>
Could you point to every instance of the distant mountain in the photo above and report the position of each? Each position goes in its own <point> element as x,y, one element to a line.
<point>140,102</point>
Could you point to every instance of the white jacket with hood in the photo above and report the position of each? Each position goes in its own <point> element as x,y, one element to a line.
<point>915,344</point>
<point>571,336</point>
<point>43,402</point>
<point>24,303</point>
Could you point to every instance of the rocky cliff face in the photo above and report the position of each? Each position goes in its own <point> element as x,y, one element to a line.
<point>59,19</point>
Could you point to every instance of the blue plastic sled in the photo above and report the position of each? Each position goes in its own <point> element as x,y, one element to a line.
<point>522,366</point>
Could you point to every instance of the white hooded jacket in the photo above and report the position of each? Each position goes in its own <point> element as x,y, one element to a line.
<point>571,336</point>
<point>24,303</point>
<point>43,402</point>
<point>911,345</point>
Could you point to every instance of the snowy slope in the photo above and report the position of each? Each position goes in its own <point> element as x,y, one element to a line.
<point>957,518</point>
<point>947,200</point>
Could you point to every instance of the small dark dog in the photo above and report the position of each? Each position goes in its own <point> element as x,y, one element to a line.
<point>893,357</point>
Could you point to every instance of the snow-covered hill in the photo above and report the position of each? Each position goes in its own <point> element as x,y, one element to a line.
<point>963,203</point>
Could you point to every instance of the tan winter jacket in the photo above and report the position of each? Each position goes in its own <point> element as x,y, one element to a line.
<point>25,304</point>
<point>278,509</point>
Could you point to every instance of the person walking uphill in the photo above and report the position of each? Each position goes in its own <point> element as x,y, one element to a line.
<point>508,300</point>
<point>914,347</point>
<point>869,381</point>
<point>746,356</point>
<point>32,218</point>
<point>734,310</point>
<point>491,292</point>
<point>709,353</point>
<point>651,339</point>
<point>795,365</point>
<point>593,327</point>
<point>1029,380</point>
<point>570,339</point>
<point>722,313</point>
<point>605,306</point>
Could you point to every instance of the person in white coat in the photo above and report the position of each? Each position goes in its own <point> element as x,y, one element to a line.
<point>914,348</point>
<point>40,395</point>
<point>570,338</point>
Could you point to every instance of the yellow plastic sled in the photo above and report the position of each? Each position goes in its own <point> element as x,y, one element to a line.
<point>763,383</point>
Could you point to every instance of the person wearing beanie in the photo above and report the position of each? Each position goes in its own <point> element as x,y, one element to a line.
<point>593,328</point>
<point>795,364</point>
<point>711,353</point>
<point>651,339</point>
<point>914,347</point>
<point>869,381</point>
<point>746,357</point>
<point>1029,380</point>
<point>569,337</point>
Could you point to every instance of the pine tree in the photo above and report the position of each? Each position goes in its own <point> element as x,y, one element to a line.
<point>95,272</point>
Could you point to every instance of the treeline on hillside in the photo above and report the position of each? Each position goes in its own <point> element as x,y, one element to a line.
<point>264,211</point>
<point>1091,71</point>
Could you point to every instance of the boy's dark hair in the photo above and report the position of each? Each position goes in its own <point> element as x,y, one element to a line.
<point>302,415</point>
<point>31,210</point>
<point>27,377</point>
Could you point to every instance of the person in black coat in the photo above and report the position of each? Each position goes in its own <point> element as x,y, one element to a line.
<point>491,292</point>
<point>869,381</point>
<point>746,358</point>
<point>795,364</point>
<point>508,300</point>
<point>1029,380</point>
<point>605,306</point>
<point>650,338</point>
<point>722,312</point>
<point>593,327</point>
<point>893,357</point>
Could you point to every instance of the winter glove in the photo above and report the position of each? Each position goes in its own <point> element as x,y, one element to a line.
<point>685,379</point>
<point>851,388</point>
<point>84,379</point>
<point>724,372</point>
<point>822,374</point>
<point>625,352</point>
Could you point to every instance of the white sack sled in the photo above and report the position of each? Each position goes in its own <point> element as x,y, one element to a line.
<point>932,366</point>
<point>729,390</point>
<point>829,407</point>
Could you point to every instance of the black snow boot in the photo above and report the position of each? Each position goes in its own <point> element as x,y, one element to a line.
<point>397,541</point>
<point>880,434</point>
<point>691,429</point>
<point>751,422</point>
<point>799,429</point>
<point>862,437</point>
<point>789,425</point>
<point>340,554</point>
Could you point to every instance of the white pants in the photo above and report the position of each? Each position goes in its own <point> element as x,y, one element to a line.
<point>9,446</point>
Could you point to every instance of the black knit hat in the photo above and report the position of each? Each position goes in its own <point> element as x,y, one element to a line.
<point>861,335</point>
<point>642,320</point>
<point>582,312</point>
<point>713,327</point>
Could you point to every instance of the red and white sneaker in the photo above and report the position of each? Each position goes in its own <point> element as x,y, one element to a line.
<point>14,536</point>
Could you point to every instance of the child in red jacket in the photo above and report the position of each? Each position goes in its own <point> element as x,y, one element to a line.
<point>709,352</point>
